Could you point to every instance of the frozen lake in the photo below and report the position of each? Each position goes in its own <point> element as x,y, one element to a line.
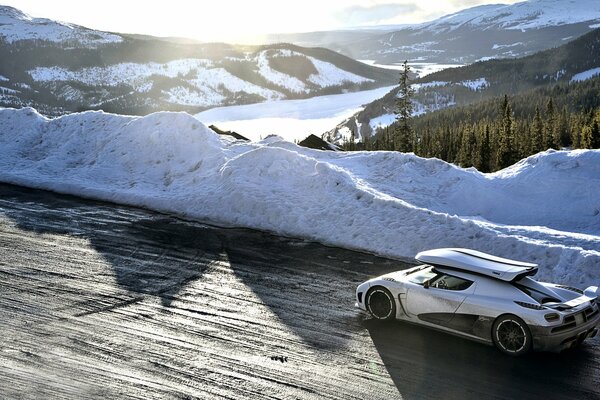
<point>290,119</point>
<point>420,68</point>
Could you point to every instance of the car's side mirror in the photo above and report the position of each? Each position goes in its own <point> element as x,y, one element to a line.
<point>426,284</point>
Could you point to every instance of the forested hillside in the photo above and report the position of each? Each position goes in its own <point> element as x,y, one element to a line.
<point>493,134</point>
<point>570,63</point>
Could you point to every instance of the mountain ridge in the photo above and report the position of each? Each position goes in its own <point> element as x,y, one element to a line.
<point>571,62</point>
<point>469,35</point>
<point>57,73</point>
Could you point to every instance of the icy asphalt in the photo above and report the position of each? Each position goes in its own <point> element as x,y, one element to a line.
<point>106,301</point>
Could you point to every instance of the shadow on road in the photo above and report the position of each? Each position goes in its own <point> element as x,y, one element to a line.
<point>147,256</point>
<point>427,364</point>
<point>158,255</point>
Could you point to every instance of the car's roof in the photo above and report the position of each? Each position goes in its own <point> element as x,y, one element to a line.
<point>478,262</point>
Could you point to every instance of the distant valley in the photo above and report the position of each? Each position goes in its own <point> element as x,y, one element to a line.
<point>573,62</point>
<point>59,68</point>
<point>470,35</point>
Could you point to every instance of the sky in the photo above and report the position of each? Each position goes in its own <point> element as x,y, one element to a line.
<point>238,20</point>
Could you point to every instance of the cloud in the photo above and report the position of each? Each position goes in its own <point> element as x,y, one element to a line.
<point>359,15</point>
<point>462,4</point>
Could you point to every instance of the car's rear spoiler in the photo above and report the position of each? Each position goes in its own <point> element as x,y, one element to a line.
<point>592,292</point>
<point>477,262</point>
<point>589,294</point>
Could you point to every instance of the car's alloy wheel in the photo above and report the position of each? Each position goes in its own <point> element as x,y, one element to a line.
<point>511,335</point>
<point>380,303</point>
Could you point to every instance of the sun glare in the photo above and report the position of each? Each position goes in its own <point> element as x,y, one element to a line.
<point>233,20</point>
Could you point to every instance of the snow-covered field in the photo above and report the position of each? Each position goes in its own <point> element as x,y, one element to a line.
<point>545,209</point>
<point>290,119</point>
<point>420,68</point>
<point>585,75</point>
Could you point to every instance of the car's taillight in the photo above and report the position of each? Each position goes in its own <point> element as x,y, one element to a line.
<point>551,317</point>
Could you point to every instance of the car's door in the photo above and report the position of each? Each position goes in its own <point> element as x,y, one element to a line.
<point>438,298</point>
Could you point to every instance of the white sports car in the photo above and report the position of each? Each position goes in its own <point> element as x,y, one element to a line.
<point>485,298</point>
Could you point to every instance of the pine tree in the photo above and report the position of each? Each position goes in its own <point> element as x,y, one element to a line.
<point>352,143</point>
<point>537,141</point>
<point>404,132</point>
<point>550,137</point>
<point>468,144</point>
<point>563,129</point>
<point>585,142</point>
<point>484,151</point>
<point>595,135</point>
<point>506,154</point>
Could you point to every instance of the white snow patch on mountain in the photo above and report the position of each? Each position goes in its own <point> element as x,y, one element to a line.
<point>3,78</point>
<point>16,25</point>
<point>382,121</point>
<point>532,14</point>
<point>330,75</point>
<point>207,79</point>
<point>585,75</point>
<point>475,84</point>
<point>279,78</point>
<point>426,85</point>
<point>544,209</point>
<point>327,74</point>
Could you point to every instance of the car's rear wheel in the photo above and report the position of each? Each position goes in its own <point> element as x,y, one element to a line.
<point>511,335</point>
<point>380,303</point>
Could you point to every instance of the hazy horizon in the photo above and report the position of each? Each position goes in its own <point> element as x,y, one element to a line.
<point>242,22</point>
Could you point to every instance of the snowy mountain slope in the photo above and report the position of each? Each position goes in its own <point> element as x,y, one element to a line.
<point>525,15</point>
<point>575,61</point>
<point>67,71</point>
<point>17,26</point>
<point>477,33</point>
<point>389,203</point>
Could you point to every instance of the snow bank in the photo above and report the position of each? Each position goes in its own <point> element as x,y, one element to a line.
<point>544,209</point>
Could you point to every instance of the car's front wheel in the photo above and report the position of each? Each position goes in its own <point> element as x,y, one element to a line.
<point>380,303</point>
<point>511,335</point>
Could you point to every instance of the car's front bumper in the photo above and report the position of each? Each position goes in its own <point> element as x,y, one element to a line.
<point>545,340</point>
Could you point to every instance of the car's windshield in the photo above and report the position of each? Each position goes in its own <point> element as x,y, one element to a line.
<point>421,276</point>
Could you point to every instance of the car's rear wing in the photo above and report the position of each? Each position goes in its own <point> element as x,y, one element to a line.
<point>589,294</point>
<point>479,263</point>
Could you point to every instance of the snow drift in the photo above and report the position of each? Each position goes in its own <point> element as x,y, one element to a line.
<point>545,209</point>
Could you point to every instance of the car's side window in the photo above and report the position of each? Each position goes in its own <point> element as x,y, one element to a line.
<point>449,282</point>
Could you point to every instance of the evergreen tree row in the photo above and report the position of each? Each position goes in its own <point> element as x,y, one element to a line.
<point>497,136</point>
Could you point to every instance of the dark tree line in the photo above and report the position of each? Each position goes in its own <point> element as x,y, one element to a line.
<point>493,144</point>
<point>492,135</point>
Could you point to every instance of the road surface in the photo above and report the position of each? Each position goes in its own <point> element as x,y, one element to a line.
<point>106,301</point>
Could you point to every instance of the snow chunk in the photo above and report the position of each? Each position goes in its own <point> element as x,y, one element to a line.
<point>544,209</point>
